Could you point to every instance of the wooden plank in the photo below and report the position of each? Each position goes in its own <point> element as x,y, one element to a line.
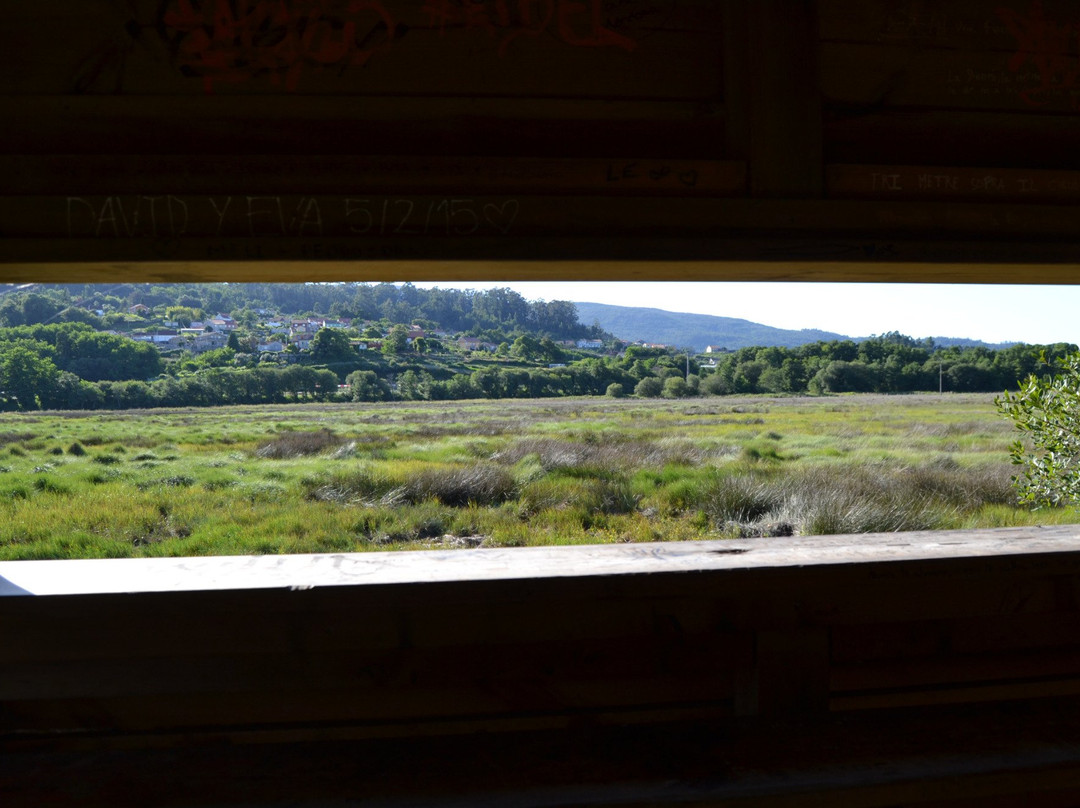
<point>1048,549</point>
<point>1019,631</point>
<point>397,175</point>
<point>832,260</point>
<point>972,694</point>
<point>476,126</point>
<point>854,644</point>
<point>979,54</point>
<point>967,25</point>
<point>950,182</point>
<point>880,76</point>
<point>956,238</point>
<point>949,669</point>
<point>904,757</point>
<point>952,138</point>
<point>770,686</point>
<point>283,221</point>
<point>785,135</point>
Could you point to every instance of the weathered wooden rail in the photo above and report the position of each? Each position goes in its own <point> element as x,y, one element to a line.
<point>919,668</point>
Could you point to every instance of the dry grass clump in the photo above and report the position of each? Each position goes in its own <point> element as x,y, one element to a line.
<point>479,484</point>
<point>871,498</point>
<point>16,437</point>
<point>612,454</point>
<point>358,485</point>
<point>457,486</point>
<point>299,444</point>
<point>590,496</point>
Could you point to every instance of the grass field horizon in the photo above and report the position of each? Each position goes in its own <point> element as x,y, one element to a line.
<point>310,478</point>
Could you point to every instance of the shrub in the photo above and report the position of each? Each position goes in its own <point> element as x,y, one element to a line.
<point>715,385</point>
<point>76,449</point>
<point>50,486</point>
<point>863,499</point>
<point>1046,409</point>
<point>675,387</point>
<point>739,498</point>
<point>615,390</point>
<point>649,387</point>
<point>480,484</point>
<point>15,437</point>
<point>361,484</point>
<point>179,481</point>
<point>299,444</point>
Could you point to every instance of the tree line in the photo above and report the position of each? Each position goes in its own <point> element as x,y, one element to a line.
<point>891,363</point>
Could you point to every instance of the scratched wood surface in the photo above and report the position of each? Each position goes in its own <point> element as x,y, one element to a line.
<point>262,77</point>
<point>584,48</point>
<point>980,54</point>
<point>229,137</point>
<point>980,83</point>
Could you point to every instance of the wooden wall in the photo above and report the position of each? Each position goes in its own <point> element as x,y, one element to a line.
<point>393,139</point>
<point>885,670</point>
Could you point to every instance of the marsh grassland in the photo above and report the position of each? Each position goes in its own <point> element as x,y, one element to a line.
<point>350,477</point>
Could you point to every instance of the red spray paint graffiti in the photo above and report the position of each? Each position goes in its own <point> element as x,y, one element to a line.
<point>235,41</point>
<point>574,22</point>
<point>231,41</point>
<point>1050,47</point>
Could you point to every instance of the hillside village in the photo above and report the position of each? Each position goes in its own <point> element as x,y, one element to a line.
<point>276,334</point>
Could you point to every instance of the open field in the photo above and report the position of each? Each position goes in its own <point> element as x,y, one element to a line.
<point>349,477</point>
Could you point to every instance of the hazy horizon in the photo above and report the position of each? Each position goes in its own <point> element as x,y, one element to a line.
<point>991,313</point>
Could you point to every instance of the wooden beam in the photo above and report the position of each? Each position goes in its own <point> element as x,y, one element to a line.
<point>784,99</point>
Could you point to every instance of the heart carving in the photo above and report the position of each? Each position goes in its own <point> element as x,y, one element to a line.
<point>502,217</point>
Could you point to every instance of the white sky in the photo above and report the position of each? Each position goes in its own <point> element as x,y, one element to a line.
<point>998,313</point>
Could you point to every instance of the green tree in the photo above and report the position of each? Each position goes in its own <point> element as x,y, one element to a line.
<point>365,385</point>
<point>649,387</point>
<point>675,387</point>
<point>184,315</point>
<point>715,385</point>
<point>397,341</point>
<point>1046,409</point>
<point>27,379</point>
<point>331,345</point>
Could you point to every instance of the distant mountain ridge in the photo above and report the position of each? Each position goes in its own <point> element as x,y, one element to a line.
<point>695,331</point>
<point>698,331</point>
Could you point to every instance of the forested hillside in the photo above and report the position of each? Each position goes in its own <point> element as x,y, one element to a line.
<point>696,331</point>
<point>498,310</point>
